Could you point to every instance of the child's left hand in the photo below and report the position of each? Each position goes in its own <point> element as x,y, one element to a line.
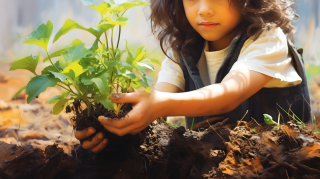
<point>146,108</point>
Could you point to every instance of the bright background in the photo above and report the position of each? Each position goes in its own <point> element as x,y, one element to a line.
<point>23,16</point>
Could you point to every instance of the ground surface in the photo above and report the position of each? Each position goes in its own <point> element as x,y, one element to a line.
<point>36,144</point>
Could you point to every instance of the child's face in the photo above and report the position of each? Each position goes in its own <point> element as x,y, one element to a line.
<point>212,19</point>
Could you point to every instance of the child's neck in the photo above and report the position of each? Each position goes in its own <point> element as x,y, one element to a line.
<point>223,42</point>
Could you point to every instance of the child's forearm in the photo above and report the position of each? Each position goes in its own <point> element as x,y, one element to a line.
<point>211,100</point>
<point>215,99</point>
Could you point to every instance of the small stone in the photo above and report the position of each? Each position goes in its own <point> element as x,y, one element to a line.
<point>217,153</point>
<point>251,154</point>
<point>163,142</point>
<point>144,148</point>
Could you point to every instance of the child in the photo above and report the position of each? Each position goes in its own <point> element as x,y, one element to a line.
<point>225,57</point>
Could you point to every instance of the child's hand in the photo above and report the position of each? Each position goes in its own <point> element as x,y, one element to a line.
<point>146,108</point>
<point>96,144</point>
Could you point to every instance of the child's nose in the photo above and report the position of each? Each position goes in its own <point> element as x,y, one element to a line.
<point>205,9</point>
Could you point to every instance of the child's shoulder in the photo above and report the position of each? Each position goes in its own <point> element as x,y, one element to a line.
<point>272,40</point>
<point>274,34</point>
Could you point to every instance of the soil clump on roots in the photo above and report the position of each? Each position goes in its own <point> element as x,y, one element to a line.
<point>82,121</point>
<point>292,151</point>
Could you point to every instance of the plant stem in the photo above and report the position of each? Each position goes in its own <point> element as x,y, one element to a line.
<point>71,90</point>
<point>66,89</point>
<point>51,60</point>
<point>88,106</point>
<point>119,36</point>
<point>123,13</point>
<point>106,40</point>
<point>112,43</point>
<point>100,41</point>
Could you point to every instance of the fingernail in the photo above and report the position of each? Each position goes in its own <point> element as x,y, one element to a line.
<point>105,141</point>
<point>116,95</point>
<point>100,136</point>
<point>103,118</point>
<point>91,130</point>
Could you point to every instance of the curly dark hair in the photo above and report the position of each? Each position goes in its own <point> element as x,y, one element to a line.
<point>169,22</point>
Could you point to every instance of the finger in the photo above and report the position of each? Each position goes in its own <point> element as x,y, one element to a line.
<point>124,97</point>
<point>84,133</point>
<point>94,142</point>
<point>100,146</point>
<point>116,123</point>
<point>131,129</point>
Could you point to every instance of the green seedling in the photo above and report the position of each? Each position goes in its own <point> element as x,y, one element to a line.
<point>88,74</point>
<point>268,120</point>
<point>169,124</point>
<point>254,130</point>
<point>192,124</point>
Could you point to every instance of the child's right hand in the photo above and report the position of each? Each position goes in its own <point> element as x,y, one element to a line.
<point>97,143</point>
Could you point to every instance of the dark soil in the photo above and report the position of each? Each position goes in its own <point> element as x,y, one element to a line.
<point>291,152</point>
<point>83,121</point>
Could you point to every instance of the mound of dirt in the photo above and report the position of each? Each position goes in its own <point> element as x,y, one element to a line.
<point>293,151</point>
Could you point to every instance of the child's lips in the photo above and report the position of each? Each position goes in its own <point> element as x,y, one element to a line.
<point>208,25</point>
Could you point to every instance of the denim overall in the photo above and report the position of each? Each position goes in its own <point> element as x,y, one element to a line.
<point>264,101</point>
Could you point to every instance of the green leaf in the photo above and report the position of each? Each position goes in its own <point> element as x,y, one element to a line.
<point>101,82</point>
<point>143,84</point>
<point>130,58</point>
<point>119,55</point>
<point>56,98</point>
<point>70,25</point>
<point>60,76</point>
<point>59,106</point>
<point>131,4</point>
<point>276,128</point>
<point>46,70</point>
<point>107,104</point>
<point>135,84</point>
<point>75,53</point>
<point>254,130</point>
<point>108,23</point>
<point>268,119</point>
<point>124,64</point>
<point>15,96</point>
<point>132,76</point>
<point>28,63</point>
<point>94,46</point>
<point>76,42</point>
<point>139,51</point>
<point>40,36</point>
<point>86,80</point>
<point>146,78</point>
<point>102,7</point>
<point>38,84</point>
<point>155,61</point>
<point>103,99</point>
<point>74,70</point>
<point>55,54</point>
<point>146,63</point>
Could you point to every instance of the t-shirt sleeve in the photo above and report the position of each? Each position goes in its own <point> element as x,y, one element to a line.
<point>269,55</point>
<point>171,72</point>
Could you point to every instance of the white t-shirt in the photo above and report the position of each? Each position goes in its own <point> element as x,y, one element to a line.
<point>267,55</point>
